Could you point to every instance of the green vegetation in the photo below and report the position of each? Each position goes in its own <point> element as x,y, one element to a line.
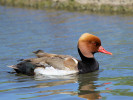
<point>67,5</point>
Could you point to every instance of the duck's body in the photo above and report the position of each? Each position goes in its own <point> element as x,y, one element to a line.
<point>87,45</point>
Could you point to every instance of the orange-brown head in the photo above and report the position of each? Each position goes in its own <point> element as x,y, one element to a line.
<point>90,44</point>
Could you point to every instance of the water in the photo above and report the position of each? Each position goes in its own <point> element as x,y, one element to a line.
<point>23,31</point>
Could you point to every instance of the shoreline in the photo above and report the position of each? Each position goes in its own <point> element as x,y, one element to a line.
<point>119,6</point>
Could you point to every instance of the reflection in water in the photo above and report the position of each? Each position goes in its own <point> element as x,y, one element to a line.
<point>86,86</point>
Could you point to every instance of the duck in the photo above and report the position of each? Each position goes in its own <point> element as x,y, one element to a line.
<point>45,63</point>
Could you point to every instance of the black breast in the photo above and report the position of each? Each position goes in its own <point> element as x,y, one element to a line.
<point>87,64</point>
<point>90,66</point>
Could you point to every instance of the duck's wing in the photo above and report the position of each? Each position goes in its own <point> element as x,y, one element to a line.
<point>40,53</point>
<point>63,62</point>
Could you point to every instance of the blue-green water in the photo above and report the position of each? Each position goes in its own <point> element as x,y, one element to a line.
<point>23,31</point>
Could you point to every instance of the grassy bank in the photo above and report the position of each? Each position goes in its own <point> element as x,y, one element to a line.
<point>68,5</point>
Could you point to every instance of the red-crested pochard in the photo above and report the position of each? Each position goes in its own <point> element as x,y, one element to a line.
<point>46,63</point>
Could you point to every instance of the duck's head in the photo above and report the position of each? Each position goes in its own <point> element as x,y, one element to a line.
<point>89,44</point>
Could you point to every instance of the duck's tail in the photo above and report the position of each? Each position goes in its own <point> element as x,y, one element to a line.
<point>13,66</point>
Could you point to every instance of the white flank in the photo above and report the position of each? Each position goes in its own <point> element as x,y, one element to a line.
<point>53,71</point>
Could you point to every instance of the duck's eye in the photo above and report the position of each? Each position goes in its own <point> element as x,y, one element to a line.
<point>94,43</point>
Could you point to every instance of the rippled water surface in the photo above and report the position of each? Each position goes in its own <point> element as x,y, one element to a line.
<point>23,31</point>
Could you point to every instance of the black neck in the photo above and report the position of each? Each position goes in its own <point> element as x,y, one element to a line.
<point>87,64</point>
